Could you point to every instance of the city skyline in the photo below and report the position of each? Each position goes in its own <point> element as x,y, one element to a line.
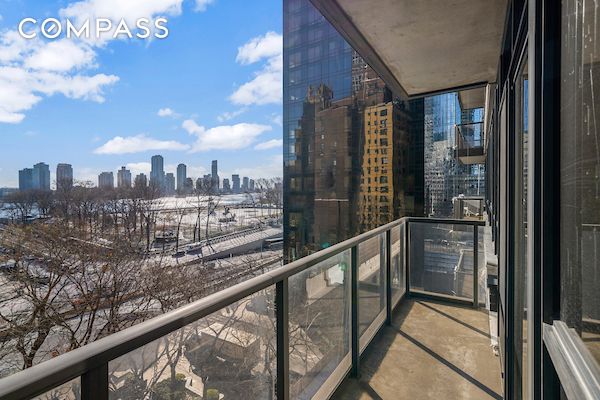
<point>120,102</point>
<point>122,177</point>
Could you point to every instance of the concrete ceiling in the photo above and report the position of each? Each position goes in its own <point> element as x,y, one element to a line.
<point>423,46</point>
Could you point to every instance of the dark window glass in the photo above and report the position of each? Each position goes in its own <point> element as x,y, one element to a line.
<point>580,171</point>
<point>329,93</point>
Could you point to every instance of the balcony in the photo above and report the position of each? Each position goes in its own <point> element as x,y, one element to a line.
<point>470,143</point>
<point>396,309</point>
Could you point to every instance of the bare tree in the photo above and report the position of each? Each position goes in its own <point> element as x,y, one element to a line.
<point>22,202</point>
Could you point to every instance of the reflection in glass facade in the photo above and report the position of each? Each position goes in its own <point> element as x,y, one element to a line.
<point>580,172</point>
<point>445,176</point>
<point>353,154</point>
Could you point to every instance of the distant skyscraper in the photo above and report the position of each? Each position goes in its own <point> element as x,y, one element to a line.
<point>235,179</point>
<point>245,183</point>
<point>170,183</point>
<point>181,177</point>
<point>123,178</point>
<point>157,174</point>
<point>26,179</point>
<point>215,174</point>
<point>226,186</point>
<point>189,185</point>
<point>64,176</point>
<point>251,185</point>
<point>41,176</point>
<point>106,180</point>
<point>141,181</point>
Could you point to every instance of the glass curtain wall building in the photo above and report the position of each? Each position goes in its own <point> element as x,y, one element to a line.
<point>446,177</point>
<point>352,152</point>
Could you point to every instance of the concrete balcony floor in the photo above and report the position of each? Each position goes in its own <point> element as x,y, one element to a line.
<point>433,350</point>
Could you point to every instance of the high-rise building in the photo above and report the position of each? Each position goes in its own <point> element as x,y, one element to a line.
<point>245,182</point>
<point>64,176</point>
<point>189,185</point>
<point>41,176</point>
<point>106,180</point>
<point>226,186</point>
<point>123,178</point>
<point>157,173</point>
<point>170,183</point>
<point>336,148</point>
<point>141,181</point>
<point>181,177</point>
<point>26,179</point>
<point>251,185</point>
<point>215,174</point>
<point>445,176</point>
<point>235,179</point>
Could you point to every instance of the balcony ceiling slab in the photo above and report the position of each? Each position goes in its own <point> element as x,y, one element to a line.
<point>421,47</point>
<point>472,98</point>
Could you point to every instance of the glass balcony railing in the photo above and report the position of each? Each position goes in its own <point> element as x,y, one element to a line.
<point>295,332</point>
<point>470,143</point>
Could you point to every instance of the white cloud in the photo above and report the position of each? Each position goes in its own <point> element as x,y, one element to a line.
<point>138,144</point>
<point>225,137</point>
<point>22,89</point>
<point>270,144</point>
<point>267,85</point>
<point>267,46</point>
<point>115,10</point>
<point>228,115</point>
<point>277,119</point>
<point>138,168</point>
<point>167,112</point>
<point>62,55</point>
<point>201,5</point>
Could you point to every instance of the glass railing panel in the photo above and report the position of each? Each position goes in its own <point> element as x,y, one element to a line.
<point>371,287</point>
<point>482,267</point>
<point>441,259</point>
<point>320,326</point>
<point>398,274</point>
<point>69,391</point>
<point>230,354</point>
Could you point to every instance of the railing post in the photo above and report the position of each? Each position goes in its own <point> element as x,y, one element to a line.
<point>354,306</point>
<point>388,276</point>
<point>407,257</point>
<point>94,384</point>
<point>283,339</point>
<point>475,266</point>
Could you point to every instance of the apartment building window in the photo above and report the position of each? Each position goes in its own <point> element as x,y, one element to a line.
<point>520,201</point>
<point>314,53</point>
<point>383,113</point>
<point>295,59</point>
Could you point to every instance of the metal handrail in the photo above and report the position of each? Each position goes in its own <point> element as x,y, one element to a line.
<point>90,362</point>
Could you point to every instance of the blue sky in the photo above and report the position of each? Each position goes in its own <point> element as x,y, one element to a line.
<point>210,90</point>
